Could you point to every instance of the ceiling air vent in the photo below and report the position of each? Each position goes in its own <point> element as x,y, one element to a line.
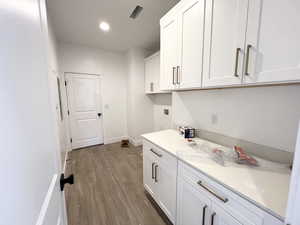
<point>136,12</point>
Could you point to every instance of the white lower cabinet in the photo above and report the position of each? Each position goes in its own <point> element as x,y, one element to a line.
<point>188,197</point>
<point>148,175</point>
<point>219,216</point>
<point>193,207</point>
<point>160,178</point>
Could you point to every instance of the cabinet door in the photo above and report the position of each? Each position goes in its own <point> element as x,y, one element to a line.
<point>191,35</point>
<point>273,44</point>
<point>219,216</point>
<point>169,52</point>
<point>148,175</point>
<point>148,76</point>
<point>193,207</point>
<point>152,72</point>
<point>166,189</point>
<point>225,29</point>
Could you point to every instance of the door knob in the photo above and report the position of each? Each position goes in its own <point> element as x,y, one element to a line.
<point>68,180</point>
<point>99,114</point>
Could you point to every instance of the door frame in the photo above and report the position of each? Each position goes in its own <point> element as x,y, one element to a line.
<point>66,105</point>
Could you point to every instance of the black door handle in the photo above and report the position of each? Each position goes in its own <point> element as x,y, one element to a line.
<point>68,180</point>
<point>99,114</point>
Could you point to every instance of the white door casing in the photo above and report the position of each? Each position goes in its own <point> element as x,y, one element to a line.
<point>85,109</point>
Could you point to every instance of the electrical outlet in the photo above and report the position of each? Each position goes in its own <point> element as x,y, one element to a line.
<point>166,111</point>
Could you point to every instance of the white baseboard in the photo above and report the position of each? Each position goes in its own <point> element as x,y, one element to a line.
<point>47,202</point>
<point>114,140</point>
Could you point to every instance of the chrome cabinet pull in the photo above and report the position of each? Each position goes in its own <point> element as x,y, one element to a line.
<point>159,155</point>
<point>212,192</point>
<point>173,75</point>
<point>203,214</point>
<point>237,62</point>
<point>213,218</point>
<point>178,74</point>
<point>155,170</point>
<point>247,60</point>
<point>151,86</point>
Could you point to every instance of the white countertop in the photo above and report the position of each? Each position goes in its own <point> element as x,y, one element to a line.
<point>267,185</point>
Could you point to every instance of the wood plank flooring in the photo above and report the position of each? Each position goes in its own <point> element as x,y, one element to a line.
<point>108,188</point>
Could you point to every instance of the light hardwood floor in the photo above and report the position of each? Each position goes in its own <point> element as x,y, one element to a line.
<point>108,188</point>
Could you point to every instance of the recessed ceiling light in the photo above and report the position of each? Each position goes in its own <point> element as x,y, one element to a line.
<point>104,26</point>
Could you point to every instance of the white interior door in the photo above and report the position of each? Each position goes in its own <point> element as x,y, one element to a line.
<point>225,28</point>
<point>85,112</point>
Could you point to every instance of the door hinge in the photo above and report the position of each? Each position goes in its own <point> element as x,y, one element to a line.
<point>71,140</point>
<point>65,83</point>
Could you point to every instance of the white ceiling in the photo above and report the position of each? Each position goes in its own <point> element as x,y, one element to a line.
<point>77,21</point>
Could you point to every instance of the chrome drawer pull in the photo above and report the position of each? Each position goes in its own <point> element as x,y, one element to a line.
<point>203,214</point>
<point>247,60</point>
<point>212,192</point>
<point>155,170</point>
<point>152,170</point>
<point>213,218</point>
<point>159,155</point>
<point>173,70</point>
<point>178,75</point>
<point>237,62</point>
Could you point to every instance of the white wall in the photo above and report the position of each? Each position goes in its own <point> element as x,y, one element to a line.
<point>113,69</point>
<point>263,115</point>
<point>140,108</point>
<point>53,73</point>
<point>27,133</point>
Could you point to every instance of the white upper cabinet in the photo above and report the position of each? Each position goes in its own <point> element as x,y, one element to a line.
<point>191,31</point>
<point>272,41</point>
<point>217,43</point>
<point>152,72</point>
<point>169,52</point>
<point>225,28</point>
<point>182,31</point>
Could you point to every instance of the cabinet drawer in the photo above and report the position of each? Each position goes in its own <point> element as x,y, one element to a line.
<point>160,155</point>
<point>246,212</point>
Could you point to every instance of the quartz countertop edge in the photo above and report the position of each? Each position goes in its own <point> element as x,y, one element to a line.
<point>153,137</point>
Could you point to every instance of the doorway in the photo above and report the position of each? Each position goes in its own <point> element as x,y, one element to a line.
<point>84,109</point>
